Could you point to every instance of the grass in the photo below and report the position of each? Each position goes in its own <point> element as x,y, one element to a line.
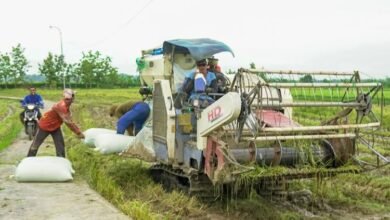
<point>367,193</point>
<point>85,96</point>
<point>10,125</point>
<point>334,94</point>
<point>123,181</point>
<point>126,183</point>
<point>4,109</point>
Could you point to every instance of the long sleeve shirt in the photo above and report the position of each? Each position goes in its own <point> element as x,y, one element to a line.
<point>33,99</point>
<point>189,81</point>
<point>58,114</point>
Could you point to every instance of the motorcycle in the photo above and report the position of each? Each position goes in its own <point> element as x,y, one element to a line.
<point>31,120</point>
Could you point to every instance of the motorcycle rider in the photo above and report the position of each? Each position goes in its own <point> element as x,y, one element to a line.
<point>32,98</point>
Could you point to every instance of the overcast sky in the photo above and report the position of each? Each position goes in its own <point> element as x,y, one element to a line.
<point>332,35</point>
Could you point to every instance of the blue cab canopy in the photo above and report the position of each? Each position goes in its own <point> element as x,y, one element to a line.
<point>199,49</point>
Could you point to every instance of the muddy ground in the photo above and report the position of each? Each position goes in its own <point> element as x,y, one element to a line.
<point>71,200</point>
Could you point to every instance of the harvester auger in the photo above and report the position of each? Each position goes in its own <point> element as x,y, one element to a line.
<point>249,128</point>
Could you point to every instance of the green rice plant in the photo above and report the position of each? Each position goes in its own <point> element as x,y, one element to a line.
<point>126,183</point>
<point>10,125</point>
<point>139,210</point>
<point>4,109</point>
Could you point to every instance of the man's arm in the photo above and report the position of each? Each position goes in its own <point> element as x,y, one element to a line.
<point>66,118</point>
<point>40,102</point>
<point>25,101</point>
<point>214,86</point>
<point>188,86</point>
<point>214,83</point>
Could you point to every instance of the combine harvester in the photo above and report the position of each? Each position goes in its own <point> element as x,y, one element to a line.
<point>249,135</point>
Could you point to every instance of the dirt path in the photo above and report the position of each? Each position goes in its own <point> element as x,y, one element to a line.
<point>73,200</point>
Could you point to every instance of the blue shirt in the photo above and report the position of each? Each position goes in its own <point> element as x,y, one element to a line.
<point>33,99</point>
<point>209,78</point>
<point>136,116</point>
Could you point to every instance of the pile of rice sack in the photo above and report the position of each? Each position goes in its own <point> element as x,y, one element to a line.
<point>106,141</point>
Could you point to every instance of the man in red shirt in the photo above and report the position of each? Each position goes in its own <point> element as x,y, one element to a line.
<point>51,122</point>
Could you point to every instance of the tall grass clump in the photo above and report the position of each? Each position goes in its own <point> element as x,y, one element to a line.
<point>10,125</point>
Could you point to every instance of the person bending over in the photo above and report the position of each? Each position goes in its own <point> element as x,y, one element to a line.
<point>118,111</point>
<point>135,117</point>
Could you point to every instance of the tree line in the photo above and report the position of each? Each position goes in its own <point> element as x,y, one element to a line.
<point>94,70</point>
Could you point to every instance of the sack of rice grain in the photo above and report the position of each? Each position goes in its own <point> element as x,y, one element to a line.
<point>92,133</point>
<point>142,146</point>
<point>112,143</point>
<point>44,169</point>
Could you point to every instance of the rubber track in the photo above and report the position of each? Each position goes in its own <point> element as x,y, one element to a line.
<point>196,184</point>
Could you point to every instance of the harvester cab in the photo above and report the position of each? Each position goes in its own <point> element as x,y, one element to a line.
<point>250,125</point>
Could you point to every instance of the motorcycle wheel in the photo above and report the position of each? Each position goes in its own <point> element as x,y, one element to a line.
<point>30,132</point>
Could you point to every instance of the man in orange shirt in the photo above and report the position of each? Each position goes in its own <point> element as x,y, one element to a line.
<point>51,122</point>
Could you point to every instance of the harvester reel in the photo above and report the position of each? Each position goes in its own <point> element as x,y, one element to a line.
<point>249,91</point>
<point>366,100</point>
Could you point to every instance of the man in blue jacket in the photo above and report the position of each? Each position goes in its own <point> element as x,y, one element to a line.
<point>33,98</point>
<point>191,82</point>
<point>197,85</point>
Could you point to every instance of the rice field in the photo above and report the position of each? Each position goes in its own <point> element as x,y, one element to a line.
<point>10,126</point>
<point>126,183</point>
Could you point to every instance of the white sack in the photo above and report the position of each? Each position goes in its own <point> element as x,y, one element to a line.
<point>92,133</point>
<point>112,143</point>
<point>142,147</point>
<point>44,169</point>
